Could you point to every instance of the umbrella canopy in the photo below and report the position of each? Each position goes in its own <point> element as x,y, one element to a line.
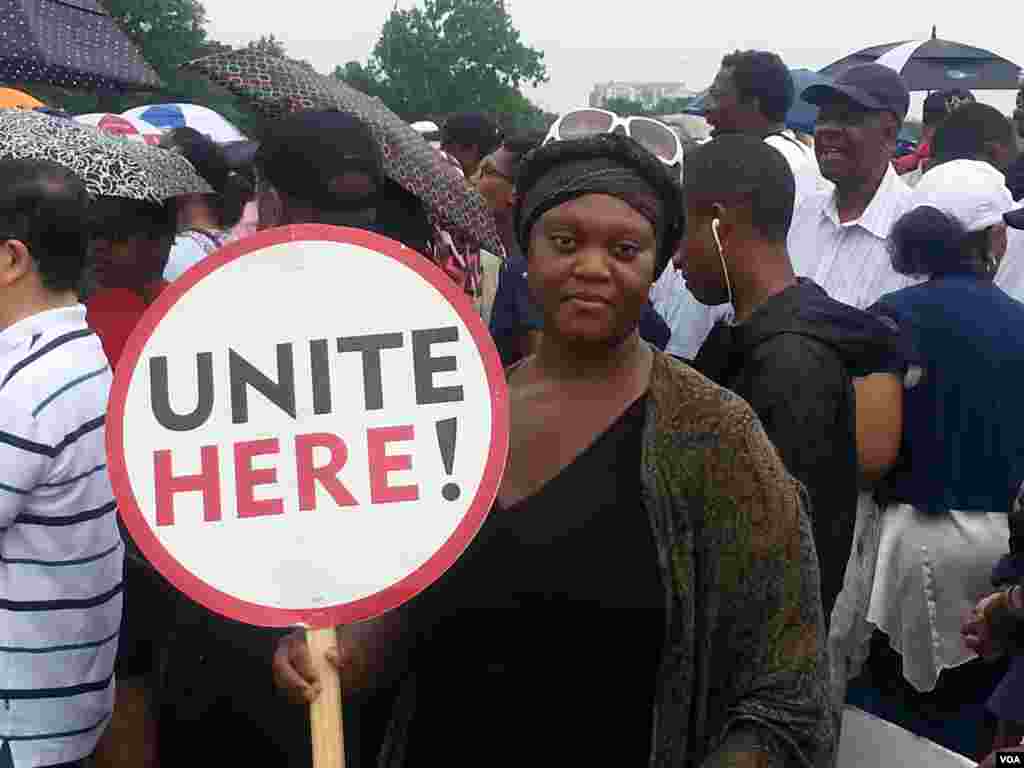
<point>121,126</point>
<point>936,65</point>
<point>169,116</point>
<point>801,116</point>
<point>110,167</point>
<point>275,86</point>
<point>13,99</point>
<point>71,44</point>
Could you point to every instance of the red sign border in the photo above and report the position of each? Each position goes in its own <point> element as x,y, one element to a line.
<point>388,598</point>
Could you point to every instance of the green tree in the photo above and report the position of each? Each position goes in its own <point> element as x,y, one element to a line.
<point>673,106</point>
<point>168,33</point>
<point>517,115</point>
<point>362,78</point>
<point>623,106</point>
<point>451,56</point>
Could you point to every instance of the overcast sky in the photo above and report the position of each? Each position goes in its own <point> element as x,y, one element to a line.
<point>589,41</point>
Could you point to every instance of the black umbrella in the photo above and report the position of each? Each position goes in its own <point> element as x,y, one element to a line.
<point>276,86</point>
<point>936,65</point>
<point>71,44</point>
<point>109,166</point>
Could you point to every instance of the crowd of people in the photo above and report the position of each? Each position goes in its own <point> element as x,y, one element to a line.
<point>770,379</point>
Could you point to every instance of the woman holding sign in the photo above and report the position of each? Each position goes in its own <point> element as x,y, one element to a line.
<point>646,589</point>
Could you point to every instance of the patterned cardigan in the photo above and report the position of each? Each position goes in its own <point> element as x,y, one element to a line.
<point>744,677</point>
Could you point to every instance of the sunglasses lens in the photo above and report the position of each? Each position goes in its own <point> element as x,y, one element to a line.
<point>656,138</point>
<point>584,122</point>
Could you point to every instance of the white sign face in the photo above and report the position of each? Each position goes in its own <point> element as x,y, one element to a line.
<point>869,742</point>
<point>308,428</point>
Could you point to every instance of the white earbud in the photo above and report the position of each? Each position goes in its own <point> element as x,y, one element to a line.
<point>721,256</point>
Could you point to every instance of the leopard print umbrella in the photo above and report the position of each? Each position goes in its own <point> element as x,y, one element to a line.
<point>275,86</point>
<point>109,166</point>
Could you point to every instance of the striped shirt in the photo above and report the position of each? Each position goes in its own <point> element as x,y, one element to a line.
<point>61,554</point>
<point>850,260</point>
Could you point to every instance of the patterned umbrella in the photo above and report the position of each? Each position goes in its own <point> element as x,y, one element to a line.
<point>121,126</point>
<point>69,43</point>
<point>275,87</point>
<point>937,65</point>
<point>202,119</point>
<point>109,166</point>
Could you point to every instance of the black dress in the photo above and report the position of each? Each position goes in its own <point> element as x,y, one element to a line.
<point>545,638</point>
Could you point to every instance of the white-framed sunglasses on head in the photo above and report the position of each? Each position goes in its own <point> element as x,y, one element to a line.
<point>656,137</point>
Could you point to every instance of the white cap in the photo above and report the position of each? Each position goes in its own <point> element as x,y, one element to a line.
<point>971,191</point>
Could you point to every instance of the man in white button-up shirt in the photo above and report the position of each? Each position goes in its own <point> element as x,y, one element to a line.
<point>839,239</point>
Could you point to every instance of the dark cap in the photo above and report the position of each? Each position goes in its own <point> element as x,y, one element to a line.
<point>873,86</point>
<point>303,152</point>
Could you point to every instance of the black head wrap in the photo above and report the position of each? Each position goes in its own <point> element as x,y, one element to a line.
<point>608,164</point>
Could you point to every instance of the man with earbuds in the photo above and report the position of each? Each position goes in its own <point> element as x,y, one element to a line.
<point>792,351</point>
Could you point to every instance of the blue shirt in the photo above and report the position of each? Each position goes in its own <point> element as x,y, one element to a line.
<point>513,313</point>
<point>963,423</point>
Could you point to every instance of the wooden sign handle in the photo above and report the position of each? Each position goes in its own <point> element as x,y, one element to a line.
<point>325,712</point>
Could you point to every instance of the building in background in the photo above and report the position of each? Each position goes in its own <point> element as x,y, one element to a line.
<point>648,94</point>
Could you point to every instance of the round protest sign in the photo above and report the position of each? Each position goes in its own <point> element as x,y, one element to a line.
<point>308,428</point>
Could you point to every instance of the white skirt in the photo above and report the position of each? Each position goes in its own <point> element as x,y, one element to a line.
<point>931,570</point>
<point>849,631</point>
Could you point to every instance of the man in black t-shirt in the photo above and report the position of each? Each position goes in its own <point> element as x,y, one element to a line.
<point>793,351</point>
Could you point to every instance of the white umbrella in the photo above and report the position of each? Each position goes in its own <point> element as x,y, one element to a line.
<point>124,127</point>
<point>169,116</point>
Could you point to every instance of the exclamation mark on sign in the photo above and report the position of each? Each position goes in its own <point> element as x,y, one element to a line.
<point>447,431</point>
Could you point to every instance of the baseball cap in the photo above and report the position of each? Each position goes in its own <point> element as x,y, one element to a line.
<point>302,153</point>
<point>971,191</point>
<point>873,86</point>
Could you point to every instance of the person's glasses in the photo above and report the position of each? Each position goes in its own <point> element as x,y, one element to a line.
<point>653,135</point>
